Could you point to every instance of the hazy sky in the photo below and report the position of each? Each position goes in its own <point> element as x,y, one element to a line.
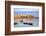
<point>33,12</point>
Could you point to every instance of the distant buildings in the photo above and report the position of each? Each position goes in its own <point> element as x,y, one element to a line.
<point>23,17</point>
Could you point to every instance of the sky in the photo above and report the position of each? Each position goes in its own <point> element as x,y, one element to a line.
<point>33,12</point>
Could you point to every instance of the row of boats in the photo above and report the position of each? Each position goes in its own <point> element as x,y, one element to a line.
<point>25,19</point>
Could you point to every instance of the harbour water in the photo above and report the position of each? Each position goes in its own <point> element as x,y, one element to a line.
<point>35,23</point>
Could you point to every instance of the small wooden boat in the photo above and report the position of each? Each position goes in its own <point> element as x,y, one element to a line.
<point>21,21</point>
<point>28,23</point>
<point>15,23</point>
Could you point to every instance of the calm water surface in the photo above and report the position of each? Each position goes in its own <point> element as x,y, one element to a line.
<point>35,23</point>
